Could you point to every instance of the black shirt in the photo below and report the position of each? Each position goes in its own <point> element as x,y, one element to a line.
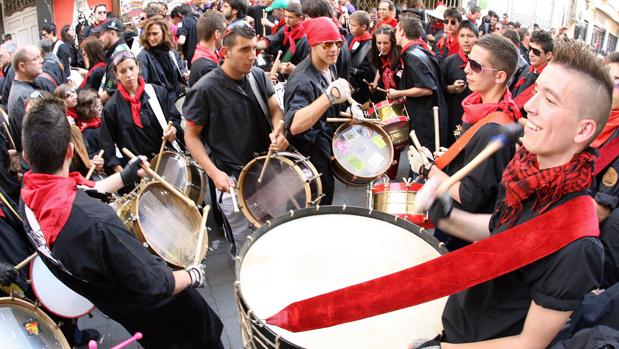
<point>95,78</point>
<point>453,70</point>
<point>361,69</point>
<point>153,72</point>
<point>276,42</point>
<point>52,67</point>
<point>498,308</point>
<point>200,68</point>
<point>187,27</point>
<point>64,54</point>
<point>234,125</point>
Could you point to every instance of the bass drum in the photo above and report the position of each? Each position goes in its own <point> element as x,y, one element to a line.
<point>290,182</point>
<point>316,250</point>
<point>183,173</point>
<point>167,225</point>
<point>22,325</point>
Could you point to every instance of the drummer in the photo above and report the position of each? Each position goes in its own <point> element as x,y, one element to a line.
<point>129,118</point>
<point>88,248</point>
<point>225,112</point>
<point>314,92</point>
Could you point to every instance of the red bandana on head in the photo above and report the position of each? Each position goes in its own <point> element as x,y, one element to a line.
<point>136,105</point>
<point>611,125</point>
<point>50,198</point>
<point>292,35</point>
<point>98,65</point>
<point>475,110</point>
<point>361,38</point>
<point>321,29</point>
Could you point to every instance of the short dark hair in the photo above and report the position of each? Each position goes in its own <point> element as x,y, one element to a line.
<point>240,6</point>
<point>475,9</point>
<point>317,8</point>
<point>512,36</point>
<point>412,27</point>
<point>210,22</point>
<point>466,24</point>
<point>362,18</point>
<point>45,45</point>
<point>49,28</point>
<point>99,5</point>
<point>150,12</point>
<point>612,57</point>
<point>8,37</point>
<point>181,10</point>
<point>453,13</point>
<point>240,28</point>
<point>522,33</point>
<point>46,135</point>
<point>86,101</point>
<point>544,40</point>
<point>503,53</point>
<point>388,2</point>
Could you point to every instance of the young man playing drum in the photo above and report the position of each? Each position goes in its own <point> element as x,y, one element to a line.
<point>543,190</point>
<point>85,245</point>
<point>231,111</point>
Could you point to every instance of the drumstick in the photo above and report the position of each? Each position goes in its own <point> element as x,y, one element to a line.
<point>92,167</point>
<point>157,177</point>
<point>338,119</point>
<point>377,88</point>
<point>8,134</point>
<point>25,261</point>
<point>437,140</point>
<point>162,147</point>
<point>279,129</point>
<point>264,30</point>
<point>136,337</point>
<point>235,205</point>
<point>276,64</point>
<point>4,115</point>
<point>196,258</point>
<point>413,137</point>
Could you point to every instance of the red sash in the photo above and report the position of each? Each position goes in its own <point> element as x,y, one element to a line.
<point>608,153</point>
<point>448,274</point>
<point>524,96</point>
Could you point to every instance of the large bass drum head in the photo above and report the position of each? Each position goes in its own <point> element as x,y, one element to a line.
<point>322,250</point>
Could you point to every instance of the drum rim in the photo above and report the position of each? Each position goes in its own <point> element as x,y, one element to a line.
<point>186,189</point>
<point>315,211</point>
<point>242,200</point>
<point>23,304</point>
<point>306,160</point>
<point>36,293</point>
<point>174,154</point>
<point>139,231</point>
<point>379,188</point>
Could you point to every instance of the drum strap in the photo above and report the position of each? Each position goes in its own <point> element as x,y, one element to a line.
<point>451,273</point>
<point>254,87</point>
<point>154,104</point>
<point>499,117</point>
<point>6,202</point>
<point>608,154</point>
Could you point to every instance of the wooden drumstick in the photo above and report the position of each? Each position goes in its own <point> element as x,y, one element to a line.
<point>276,64</point>
<point>235,205</point>
<point>280,128</point>
<point>157,177</point>
<point>92,167</point>
<point>437,140</point>
<point>413,137</point>
<point>162,147</point>
<point>26,261</point>
<point>201,233</point>
<point>4,115</point>
<point>377,88</point>
<point>338,119</point>
<point>264,28</point>
<point>8,134</point>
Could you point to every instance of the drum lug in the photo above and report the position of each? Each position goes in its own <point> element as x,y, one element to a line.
<point>313,178</point>
<point>145,244</point>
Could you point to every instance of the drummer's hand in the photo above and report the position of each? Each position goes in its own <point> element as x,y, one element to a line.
<point>98,162</point>
<point>8,274</point>
<point>265,22</point>
<point>423,343</point>
<point>82,71</point>
<point>169,134</point>
<point>132,172</point>
<point>274,78</point>
<point>186,76</point>
<point>372,86</point>
<point>196,274</point>
<point>339,91</point>
<point>356,111</point>
<point>393,94</point>
<point>222,182</point>
<point>286,68</point>
<point>14,161</point>
<point>458,86</point>
<point>440,152</point>
<point>278,141</point>
<point>419,165</point>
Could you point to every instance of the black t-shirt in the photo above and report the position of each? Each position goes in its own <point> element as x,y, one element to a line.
<point>453,70</point>
<point>234,125</point>
<point>200,68</point>
<point>187,27</point>
<point>498,308</point>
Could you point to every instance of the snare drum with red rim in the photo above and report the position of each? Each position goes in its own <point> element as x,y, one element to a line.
<point>316,250</point>
<point>397,199</point>
<point>395,118</point>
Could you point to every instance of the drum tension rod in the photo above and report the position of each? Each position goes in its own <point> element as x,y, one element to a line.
<point>315,201</point>
<point>313,178</point>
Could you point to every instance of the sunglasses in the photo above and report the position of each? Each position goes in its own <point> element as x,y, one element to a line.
<point>477,67</point>
<point>329,44</point>
<point>536,51</point>
<point>70,93</point>
<point>142,18</point>
<point>452,22</point>
<point>101,12</point>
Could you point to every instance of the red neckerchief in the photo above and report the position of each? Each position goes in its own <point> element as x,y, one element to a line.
<point>292,35</point>
<point>94,24</point>
<point>50,198</point>
<point>523,179</point>
<point>450,42</point>
<point>609,129</point>
<point>136,104</point>
<point>204,52</point>
<point>392,22</point>
<point>388,75</point>
<point>94,123</point>
<point>72,113</point>
<point>464,57</point>
<point>277,26</point>
<point>531,71</point>
<point>363,37</point>
<point>98,65</point>
<point>419,42</point>
<point>475,110</point>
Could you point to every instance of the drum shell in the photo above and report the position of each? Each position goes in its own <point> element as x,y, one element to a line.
<point>254,328</point>
<point>344,175</point>
<point>395,118</point>
<point>195,185</point>
<point>398,199</point>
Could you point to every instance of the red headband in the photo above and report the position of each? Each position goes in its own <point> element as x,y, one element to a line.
<point>321,29</point>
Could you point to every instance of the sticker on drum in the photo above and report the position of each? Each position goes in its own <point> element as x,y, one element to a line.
<point>302,256</point>
<point>376,160</point>
<point>341,146</point>
<point>350,135</point>
<point>379,141</point>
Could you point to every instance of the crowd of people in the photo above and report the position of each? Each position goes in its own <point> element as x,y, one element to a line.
<point>216,78</point>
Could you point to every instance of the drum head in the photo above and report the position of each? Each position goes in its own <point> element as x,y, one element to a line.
<point>173,168</point>
<point>317,251</point>
<point>283,188</point>
<point>362,150</point>
<point>56,296</point>
<point>22,325</point>
<point>169,225</point>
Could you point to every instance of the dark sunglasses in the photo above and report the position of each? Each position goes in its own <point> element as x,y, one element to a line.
<point>536,51</point>
<point>327,45</point>
<point>101,12</point>
<point>142,18</point>
<point>452,22</point>
<point>477,68</point>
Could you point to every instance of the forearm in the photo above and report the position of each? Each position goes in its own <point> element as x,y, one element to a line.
<point>466,226</point>
<point>182,280</point>
<point>110,184</point>
<point>415,92</point>
<point>198,152</point>
<point>454,190</point>
<point>306,117</point>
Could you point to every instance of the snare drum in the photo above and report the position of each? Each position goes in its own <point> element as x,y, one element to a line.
<point>23,325</point>
<point>362,153</point>
<point>397,199</point>
<point>395,118</point>
<point>290,182</point>
<point>318,250</point>
<point>55,295</point>
<point>167,225</point>
<point>183,173</point>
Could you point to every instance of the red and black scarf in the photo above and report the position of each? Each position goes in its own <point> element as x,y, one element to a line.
<point>475,110</point>
<point>98,65</point>
<point>135,101</point>
<point>522,179</point>
<point>291,35</point>
<point>388,75</point>
<point>279,24</point>
<point>361,38</point>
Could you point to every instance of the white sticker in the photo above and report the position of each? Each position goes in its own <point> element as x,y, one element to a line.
<point>376,160</point>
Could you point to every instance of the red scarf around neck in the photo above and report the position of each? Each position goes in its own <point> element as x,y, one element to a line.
<point>419,42</point>
<point>450,42</point>
<point>136,104</point>
<point>531,71</point>
<point>464,57</point>
<point>475,110</point>
<point>98,65</point>
<point>392,23</point>
<point>279,24</point>
<point>94,123</point>
<point>292,35</point>
<point>50,198</point>
<point>363,37</point>
<point>388,74</point>
<point>72,113</point>
<point>523,179</point>
<point>609,129</point>
<point>204,52</point>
